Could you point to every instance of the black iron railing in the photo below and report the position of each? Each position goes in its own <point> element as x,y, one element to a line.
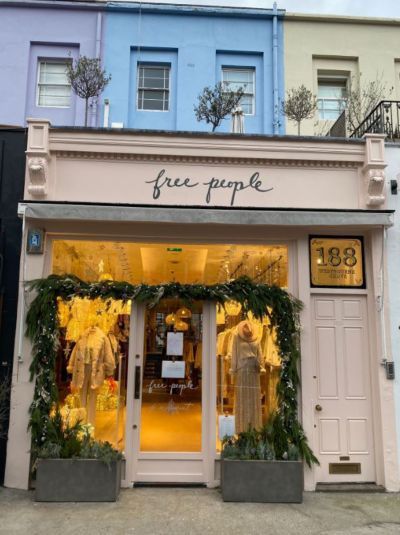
<point>383,119</point>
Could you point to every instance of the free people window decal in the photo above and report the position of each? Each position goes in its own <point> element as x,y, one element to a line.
<point>53,87</point>
<point>153,87</point>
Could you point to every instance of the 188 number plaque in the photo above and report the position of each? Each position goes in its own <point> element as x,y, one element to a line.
<point>336,262</point>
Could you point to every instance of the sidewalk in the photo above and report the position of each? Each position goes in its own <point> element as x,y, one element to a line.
<point>183,511</point>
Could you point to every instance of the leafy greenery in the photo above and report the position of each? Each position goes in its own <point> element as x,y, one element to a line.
<point>260,299</point>
<point>215,103</point>
<point>61,441</point>
<point>271,442</point>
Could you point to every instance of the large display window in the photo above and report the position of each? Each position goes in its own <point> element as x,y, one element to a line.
<point>92,364</point>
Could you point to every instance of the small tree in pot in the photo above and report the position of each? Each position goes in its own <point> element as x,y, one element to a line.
<point>87,79</point>
<point>216,103</point>
<point>300,104</point>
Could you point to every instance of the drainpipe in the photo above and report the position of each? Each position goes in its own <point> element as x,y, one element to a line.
<point>275,67</point>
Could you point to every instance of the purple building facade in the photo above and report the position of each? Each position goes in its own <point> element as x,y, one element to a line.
<point>36,41</point>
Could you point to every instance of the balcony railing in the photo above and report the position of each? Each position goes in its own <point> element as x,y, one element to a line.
<point>383,119</point>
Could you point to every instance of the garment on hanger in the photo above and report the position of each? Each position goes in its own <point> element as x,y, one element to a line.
<point>247,363</point>
<point>93,348</point>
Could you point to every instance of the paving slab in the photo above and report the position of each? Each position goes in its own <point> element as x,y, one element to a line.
<point>195,511</point>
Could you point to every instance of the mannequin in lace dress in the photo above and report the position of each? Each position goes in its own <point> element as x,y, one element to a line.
<point>247,363</point>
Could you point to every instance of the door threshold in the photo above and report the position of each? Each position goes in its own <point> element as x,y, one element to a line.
<point>142,484</point>
<point>349,487</point>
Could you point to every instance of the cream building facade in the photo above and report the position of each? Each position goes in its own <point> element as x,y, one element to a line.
<point>325,53</point>
<point>148,206</point>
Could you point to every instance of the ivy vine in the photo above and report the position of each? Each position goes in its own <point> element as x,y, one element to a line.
<point>260,299</point>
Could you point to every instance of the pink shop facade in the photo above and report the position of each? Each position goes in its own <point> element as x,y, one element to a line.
<point>306,214</point>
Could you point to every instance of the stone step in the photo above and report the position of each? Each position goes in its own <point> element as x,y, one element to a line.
<point>349,487</point>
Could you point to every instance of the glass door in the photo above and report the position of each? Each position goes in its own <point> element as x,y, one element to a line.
<point>168,402</point>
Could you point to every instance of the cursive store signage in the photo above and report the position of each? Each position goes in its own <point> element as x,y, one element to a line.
<point>163,183</point>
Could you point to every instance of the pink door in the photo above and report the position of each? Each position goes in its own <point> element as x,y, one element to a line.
<point>342,408</point>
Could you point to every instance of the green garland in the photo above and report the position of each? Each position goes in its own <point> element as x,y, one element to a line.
<point>260,299</point>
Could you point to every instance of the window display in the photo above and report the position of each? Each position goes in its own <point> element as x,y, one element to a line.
<point>248,371</point>
<point>92,366</point>
<point>91,370</point>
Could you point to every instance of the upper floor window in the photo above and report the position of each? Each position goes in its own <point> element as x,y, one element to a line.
<point>244,78</point>
<point>153,87</point>
<point>53,87</point>
<point>331,98</point>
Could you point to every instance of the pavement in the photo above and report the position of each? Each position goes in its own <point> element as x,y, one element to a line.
<point>192,511</point>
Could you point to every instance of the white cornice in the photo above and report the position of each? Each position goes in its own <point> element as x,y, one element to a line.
<point>270,162</point>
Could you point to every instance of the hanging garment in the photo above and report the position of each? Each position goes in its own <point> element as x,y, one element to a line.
<point>247,362</point>
<point>93,348</point>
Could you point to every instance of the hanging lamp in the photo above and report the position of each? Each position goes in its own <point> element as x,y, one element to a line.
<point>232,308</point>
<point>183,313</point>
<point>171,319</point>
<point>181,325</point>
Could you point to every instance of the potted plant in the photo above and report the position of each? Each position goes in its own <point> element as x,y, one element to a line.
<point>73,467</point>
<point>264,466</point>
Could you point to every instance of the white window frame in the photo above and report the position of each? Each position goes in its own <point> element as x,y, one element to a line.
<point>331,79</point>
<point>41,61</point>
<point>253,94</point>
<point>154,65</point>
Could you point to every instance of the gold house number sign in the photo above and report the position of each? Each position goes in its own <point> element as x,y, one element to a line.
<point>336,262</point>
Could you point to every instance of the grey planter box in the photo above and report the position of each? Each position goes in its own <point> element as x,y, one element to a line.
<point>77,480</point>
<point>262,481</point>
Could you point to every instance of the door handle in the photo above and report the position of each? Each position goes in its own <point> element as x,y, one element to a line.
<point>137,382</point>
<point>318,408</point>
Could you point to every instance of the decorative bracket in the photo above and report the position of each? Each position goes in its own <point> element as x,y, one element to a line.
<point>38,156</point>
<point>374,170</point>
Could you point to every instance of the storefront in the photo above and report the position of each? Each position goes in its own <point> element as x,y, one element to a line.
<point>304,215</point>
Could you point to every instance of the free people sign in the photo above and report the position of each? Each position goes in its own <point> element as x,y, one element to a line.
<point>164,182</point>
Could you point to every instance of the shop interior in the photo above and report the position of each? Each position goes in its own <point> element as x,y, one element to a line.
<point>92,364</point>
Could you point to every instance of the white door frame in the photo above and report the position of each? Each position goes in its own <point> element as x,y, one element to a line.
<point>180,467</point>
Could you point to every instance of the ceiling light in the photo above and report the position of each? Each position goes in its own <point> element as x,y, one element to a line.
<point>171,319</point>
<point>183,313</point>
<point>232,308</point>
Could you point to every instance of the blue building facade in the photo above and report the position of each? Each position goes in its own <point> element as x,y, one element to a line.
<point>162,56</point>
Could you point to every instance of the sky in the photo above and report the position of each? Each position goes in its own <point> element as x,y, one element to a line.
<point>360,8</point>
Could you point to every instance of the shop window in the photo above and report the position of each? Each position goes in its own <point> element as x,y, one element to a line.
<point>245,79</point>
<point>92,365</point>
<point>331,98</point>
<point>53,87</point>
<point>153,87</point>
<point>94,334</point>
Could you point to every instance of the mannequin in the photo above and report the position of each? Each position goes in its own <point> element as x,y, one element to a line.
<point>92,360</point>
<point>247,363</point>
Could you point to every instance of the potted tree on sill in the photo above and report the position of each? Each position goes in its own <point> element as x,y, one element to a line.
<point>265,465</point>
<point>73,467</point>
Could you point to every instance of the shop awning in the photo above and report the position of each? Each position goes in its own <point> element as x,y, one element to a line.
<point>205,215</point>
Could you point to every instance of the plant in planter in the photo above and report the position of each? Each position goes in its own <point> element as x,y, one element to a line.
<point>72,466</point>
<point>263,466</point>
